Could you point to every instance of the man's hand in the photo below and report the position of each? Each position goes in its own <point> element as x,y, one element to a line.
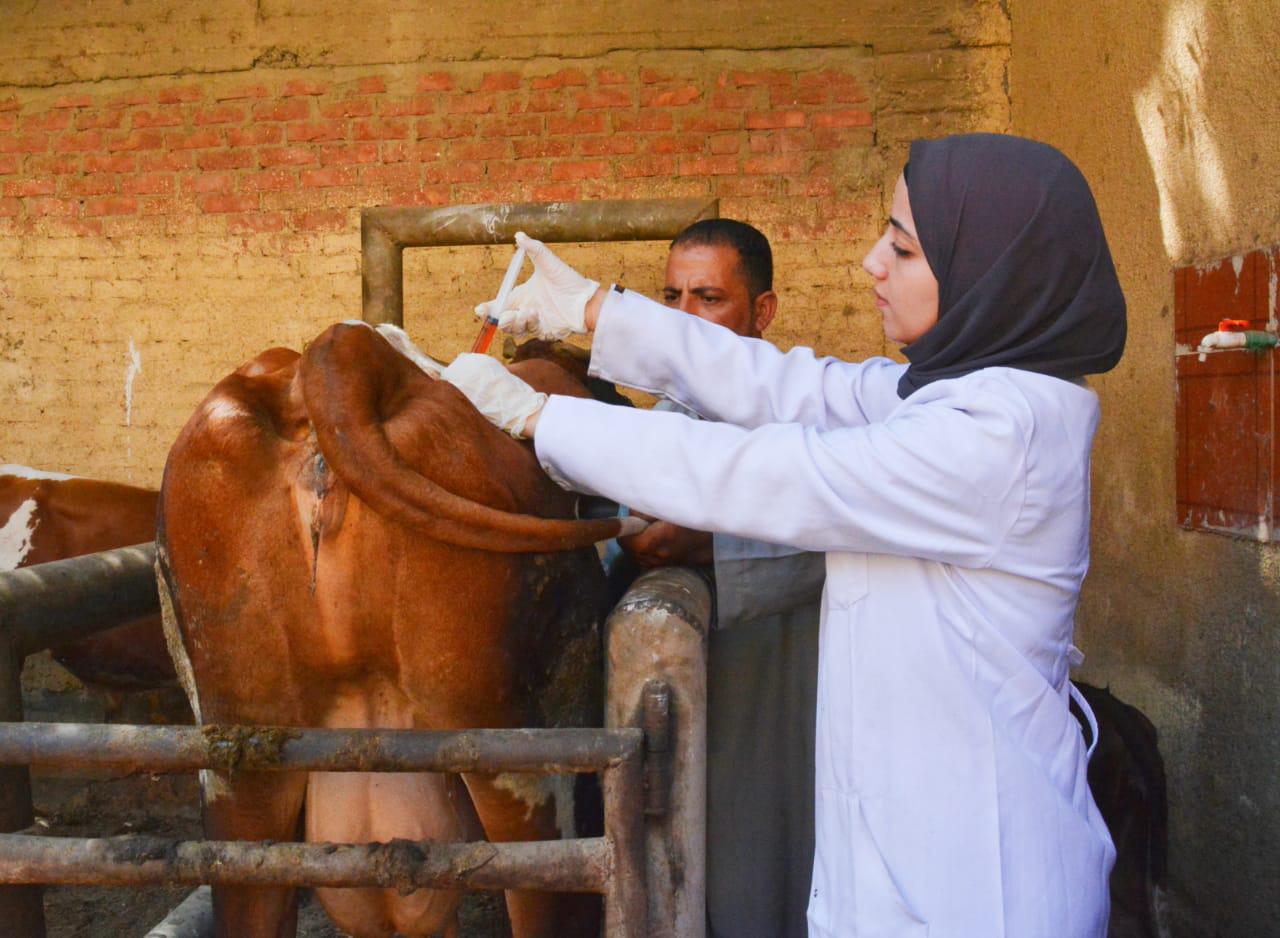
<point>664,544</point>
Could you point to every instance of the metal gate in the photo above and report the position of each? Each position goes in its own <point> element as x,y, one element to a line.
<point>652,844</point>
<point>650,863</point>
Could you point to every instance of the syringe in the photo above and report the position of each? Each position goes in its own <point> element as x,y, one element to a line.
<point>495,308</point>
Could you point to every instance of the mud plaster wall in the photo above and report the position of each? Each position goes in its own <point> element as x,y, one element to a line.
<point>1169,108</point>
<point>180,182</point>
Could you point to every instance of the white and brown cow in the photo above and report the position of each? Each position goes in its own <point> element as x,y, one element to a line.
<point>48,516</point>
<point>346,542</point>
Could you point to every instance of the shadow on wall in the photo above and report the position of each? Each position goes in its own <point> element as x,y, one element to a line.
<point>1189,114</point>
<point>1207,118</point>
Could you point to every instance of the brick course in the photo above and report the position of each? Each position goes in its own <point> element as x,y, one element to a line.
<point>274,133</point>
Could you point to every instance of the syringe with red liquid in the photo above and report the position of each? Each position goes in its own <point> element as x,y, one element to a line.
<point>490,326</point>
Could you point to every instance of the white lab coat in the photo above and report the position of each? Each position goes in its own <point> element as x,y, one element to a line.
<point>951,792</point>
<point>745,588</point>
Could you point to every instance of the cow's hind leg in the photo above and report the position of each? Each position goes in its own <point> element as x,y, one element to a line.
<point>515,806</point>
<point>254,806</point>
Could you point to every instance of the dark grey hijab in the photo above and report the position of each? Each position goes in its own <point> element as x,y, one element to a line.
<point>1025,278</point>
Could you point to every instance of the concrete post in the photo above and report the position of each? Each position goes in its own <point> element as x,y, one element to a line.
<point>658,632</point>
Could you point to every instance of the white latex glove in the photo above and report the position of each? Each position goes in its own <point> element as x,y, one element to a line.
<point>551,304</point>
<point>505,400</point>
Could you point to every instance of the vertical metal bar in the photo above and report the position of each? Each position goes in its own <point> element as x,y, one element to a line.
<point>381,272</point>
<point>656,703</point>
<point>626,903</point>
<point>21,907</point>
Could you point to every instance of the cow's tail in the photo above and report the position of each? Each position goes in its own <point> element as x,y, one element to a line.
<point>342,392</point>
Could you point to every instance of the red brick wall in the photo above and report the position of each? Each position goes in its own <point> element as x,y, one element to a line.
<point>287,154</point>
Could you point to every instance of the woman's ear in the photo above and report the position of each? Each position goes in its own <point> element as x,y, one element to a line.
<point>766,305</point>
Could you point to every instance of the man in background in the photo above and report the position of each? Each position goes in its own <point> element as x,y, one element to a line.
<point>763,649</point>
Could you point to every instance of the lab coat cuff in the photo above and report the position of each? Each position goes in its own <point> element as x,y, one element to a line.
<point>609,337</point>
<point>633,338</point>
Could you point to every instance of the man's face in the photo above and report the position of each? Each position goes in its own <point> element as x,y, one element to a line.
<point>707,281</point>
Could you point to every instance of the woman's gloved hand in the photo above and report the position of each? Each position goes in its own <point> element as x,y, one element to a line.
<point>551,304</point>
<point>505,400</point>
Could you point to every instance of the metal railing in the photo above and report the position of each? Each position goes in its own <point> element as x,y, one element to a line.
<point>386,231</point>
<point>612,865</point>
<point>648,865</point>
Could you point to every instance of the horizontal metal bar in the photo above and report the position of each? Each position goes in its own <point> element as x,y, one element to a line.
<point>51,603</point>
<point>553,865</point>
<point>386,232</point>
<point>498,222</point>
<point>282,748</point>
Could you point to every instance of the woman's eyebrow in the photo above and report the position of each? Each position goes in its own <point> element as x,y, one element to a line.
<point>903,228</point>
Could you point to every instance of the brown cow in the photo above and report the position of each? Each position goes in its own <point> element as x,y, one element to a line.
<point>346,542</point>
<point>48,516</point>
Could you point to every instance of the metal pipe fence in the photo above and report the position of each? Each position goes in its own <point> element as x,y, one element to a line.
<point>612,865</point>
<point>51,603</point>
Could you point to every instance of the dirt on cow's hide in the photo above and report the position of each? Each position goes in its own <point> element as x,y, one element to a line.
<point>561,616</point>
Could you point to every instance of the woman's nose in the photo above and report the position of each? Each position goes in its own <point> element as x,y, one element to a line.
<point>873,265</point>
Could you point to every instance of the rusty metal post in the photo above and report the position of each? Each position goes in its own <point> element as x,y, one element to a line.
<point>381,271</point>
<point>658,632</point>
<point>626,905</point>
<point>41,606</point>
<point>386,232</point>
<point>655,703</point>
<point>21,907</point>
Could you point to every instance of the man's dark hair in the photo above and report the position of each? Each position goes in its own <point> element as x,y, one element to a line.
<point>754,254</point>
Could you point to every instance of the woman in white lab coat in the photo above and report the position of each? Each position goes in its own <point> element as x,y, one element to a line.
<point>951,496</point>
